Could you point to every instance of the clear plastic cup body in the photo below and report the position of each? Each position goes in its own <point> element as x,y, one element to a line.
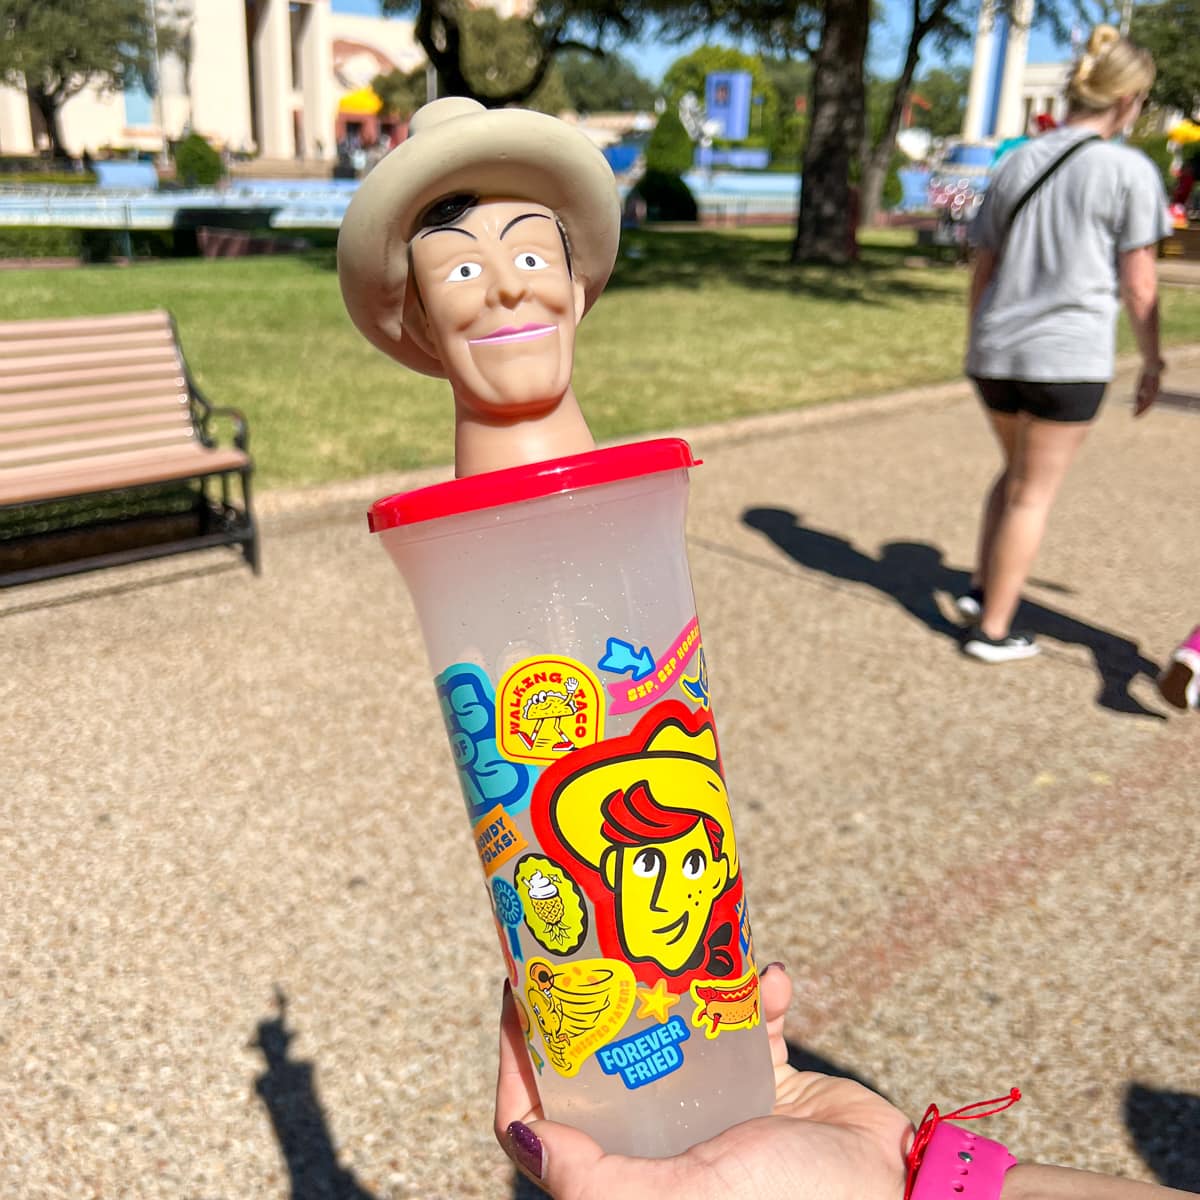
<point>569,667</point>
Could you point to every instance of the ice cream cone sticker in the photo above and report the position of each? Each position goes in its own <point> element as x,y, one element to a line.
<point>554,909</point>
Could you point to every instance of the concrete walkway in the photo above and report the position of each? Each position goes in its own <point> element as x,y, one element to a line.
<point>237,961</point>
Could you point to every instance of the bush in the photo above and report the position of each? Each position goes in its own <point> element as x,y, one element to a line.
<point>667,197</point>
<point>39,241</point>
<point>893,189</point>
<point>197,164</point>
<point>669,149</point>
<point>1155,147</point>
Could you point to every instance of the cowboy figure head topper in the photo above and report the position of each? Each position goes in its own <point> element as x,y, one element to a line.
<point>471,252</point>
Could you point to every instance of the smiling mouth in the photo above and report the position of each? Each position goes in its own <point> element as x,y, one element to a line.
<point>513,333</point>
<point>680,928</point>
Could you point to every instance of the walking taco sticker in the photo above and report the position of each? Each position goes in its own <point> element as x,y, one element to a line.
<point>547,707</point>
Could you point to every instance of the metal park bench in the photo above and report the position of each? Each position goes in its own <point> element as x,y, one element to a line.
<point>107,451</point>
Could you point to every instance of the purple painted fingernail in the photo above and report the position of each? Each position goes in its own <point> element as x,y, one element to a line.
<point>781,966</point>
<point>525,1146</point>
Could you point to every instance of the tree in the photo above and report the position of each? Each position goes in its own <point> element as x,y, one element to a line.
<point>945,91</point>
<point>825,225</point>
<point>442,30</point>
<point>669,150</point>
<point>606,84</point>
<point>56,48</point>
<point>401,93</point>
<point>688,74</point>
<point>1171,32</point>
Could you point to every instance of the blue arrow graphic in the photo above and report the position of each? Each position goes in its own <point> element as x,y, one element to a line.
<point>619,657</point>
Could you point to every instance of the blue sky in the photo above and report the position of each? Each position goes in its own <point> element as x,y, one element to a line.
<point>888,40</point>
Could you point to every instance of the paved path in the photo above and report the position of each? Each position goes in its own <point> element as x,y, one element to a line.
<point>231,966</point>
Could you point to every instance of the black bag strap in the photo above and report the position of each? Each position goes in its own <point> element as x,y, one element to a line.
<point>1074,148</point>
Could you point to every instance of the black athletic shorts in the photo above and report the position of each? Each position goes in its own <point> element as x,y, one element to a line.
<point>1046,401</point>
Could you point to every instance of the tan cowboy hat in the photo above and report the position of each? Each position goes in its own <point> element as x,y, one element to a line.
<point>455,145</point>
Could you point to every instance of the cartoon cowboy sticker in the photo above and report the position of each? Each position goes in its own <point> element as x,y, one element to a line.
<point>644,823</point>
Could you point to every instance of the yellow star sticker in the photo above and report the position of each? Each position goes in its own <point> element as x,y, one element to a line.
<point>656,1001</point>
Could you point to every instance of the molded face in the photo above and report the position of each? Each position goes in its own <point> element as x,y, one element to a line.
<point>500,306</point>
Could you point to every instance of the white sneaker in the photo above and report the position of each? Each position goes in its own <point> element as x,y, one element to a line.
<point>970,605</point>
<point>1006,649</point>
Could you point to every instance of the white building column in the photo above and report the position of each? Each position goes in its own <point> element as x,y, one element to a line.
<point>316,78</point>
<point>1010,112</point>
<point>219,80</point>
<point>16,132</point>
<point>273,80</point>
<point>980,85</point>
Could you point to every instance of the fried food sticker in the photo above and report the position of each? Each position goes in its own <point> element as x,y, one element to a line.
<point>721,1006</point>
<point>554,909</point>
<point>647,1056</point>
<point>578,1007</point>
<point>547,707</point>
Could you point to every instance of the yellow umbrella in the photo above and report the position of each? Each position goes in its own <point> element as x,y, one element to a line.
<point>361,102</point>
<point>1185,133</point>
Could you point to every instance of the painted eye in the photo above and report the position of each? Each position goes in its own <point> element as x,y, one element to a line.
<point>528,261</point>
<point>694,864</point>
<point>647,864</point>
<point>467,270</point>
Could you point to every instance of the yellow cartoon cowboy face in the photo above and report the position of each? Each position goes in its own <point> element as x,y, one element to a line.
<point>655,826</point>
<point>665,894</point>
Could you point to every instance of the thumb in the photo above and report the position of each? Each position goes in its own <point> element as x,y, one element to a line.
<point>569,1165</point>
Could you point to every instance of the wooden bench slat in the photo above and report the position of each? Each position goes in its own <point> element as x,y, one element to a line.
<point>19,418</point>
<point>79,448</point>
<point>45,433</point>
<point>102,405</point>
<point>59,326</point>
<point>85,341</point>
<point>94,392</point>
<point>159,371</point>
<point>55,360</point>
<point>24,485</point>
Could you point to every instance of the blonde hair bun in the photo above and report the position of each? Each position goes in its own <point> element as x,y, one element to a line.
<point>1103,37</point>
<point>1110,68</point>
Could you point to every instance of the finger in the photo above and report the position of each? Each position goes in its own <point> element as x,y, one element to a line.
<point>571,1166</point>
<point>776,988</point>
<point>516,1088</point>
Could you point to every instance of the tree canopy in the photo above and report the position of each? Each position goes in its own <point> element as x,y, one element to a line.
<point>1171,32</point>
<point>56,48</point>
<point>608,84</point>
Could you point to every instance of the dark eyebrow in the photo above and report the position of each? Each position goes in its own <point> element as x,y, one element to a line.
<point>523,217</point>
<point>453,229</point>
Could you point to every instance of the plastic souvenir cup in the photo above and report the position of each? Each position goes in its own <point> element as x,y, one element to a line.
<point>558,614</point>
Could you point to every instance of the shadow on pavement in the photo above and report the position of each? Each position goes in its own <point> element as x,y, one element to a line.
<point>913,573</point>
<point>287,1090</point>
<point>1165,1127</point>
<point>798,1057</point>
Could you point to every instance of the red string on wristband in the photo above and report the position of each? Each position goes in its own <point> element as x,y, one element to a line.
<point>931,1120</point>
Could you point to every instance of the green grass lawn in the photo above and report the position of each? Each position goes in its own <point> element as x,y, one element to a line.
<point>696,326</point>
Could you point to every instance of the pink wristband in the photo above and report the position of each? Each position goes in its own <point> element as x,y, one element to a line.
<point>960,1165</point>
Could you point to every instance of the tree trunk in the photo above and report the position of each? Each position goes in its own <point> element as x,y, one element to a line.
<point>49,104</point>
<point>876,158</point>
<point>825,226</point>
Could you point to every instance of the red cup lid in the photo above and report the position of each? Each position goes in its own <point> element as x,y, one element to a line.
<point>530,482</point>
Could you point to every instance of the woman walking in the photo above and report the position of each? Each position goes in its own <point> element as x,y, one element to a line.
<point>1068,229</point>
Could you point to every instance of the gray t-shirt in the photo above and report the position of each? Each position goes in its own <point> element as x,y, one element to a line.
<point>1049,312</point>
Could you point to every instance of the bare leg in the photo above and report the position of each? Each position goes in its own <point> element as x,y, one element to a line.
<point>1043,454</point>
<point>1004,425</point>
